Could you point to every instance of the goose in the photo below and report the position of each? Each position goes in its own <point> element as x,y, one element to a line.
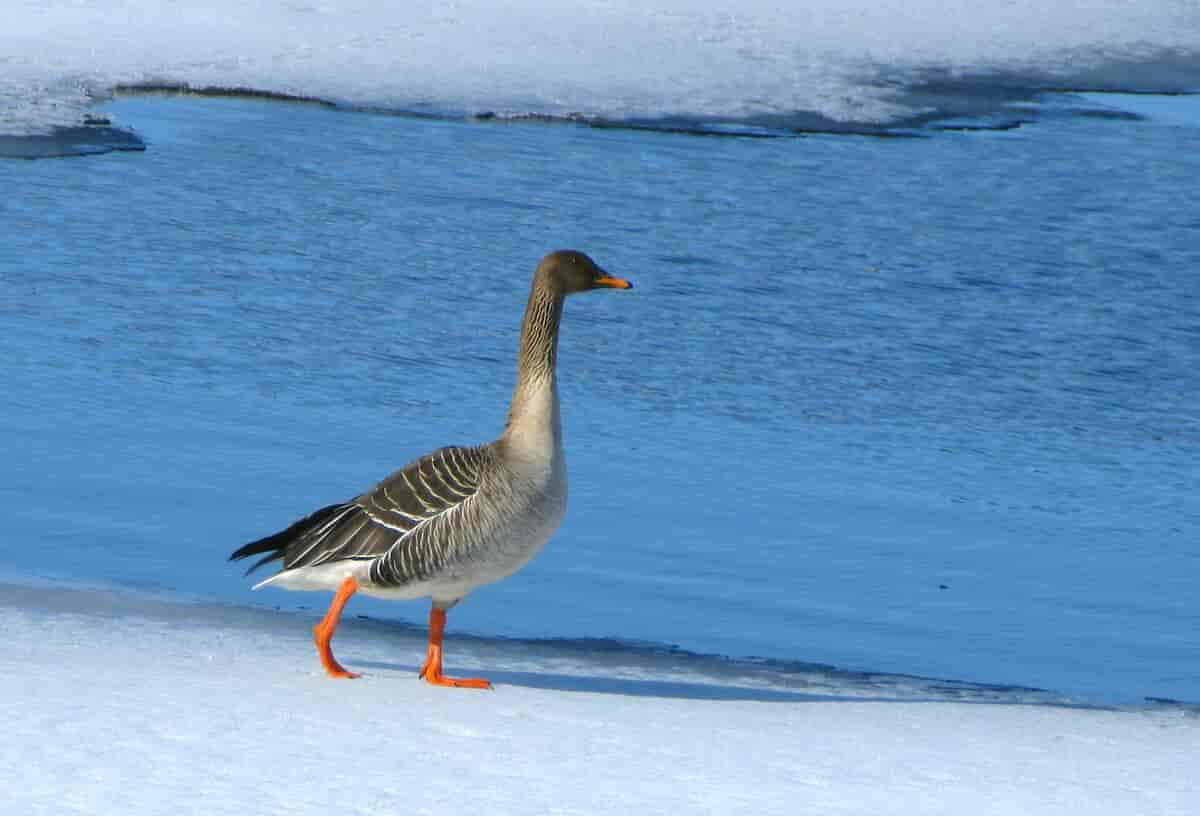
<point>454,519</point>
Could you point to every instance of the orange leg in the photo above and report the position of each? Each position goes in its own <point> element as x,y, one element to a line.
<point>323,631</point>
<point>432,669</point>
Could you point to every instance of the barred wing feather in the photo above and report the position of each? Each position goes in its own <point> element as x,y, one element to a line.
<point>383,520</point>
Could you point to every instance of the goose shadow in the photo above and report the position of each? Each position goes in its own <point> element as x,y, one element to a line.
<point>628,687</point>
<point>696,690</point>
<point>641,669</point>
<point>605,665</point>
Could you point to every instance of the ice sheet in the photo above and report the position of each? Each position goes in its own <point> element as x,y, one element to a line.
<point>806,66</point>
<point>112,706</point>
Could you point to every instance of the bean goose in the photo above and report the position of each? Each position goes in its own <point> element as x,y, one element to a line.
<point>459,517</point>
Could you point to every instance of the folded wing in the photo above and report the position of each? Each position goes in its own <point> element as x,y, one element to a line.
<point>384,521</point>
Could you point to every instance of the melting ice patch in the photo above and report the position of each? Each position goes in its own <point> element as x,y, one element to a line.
<point>823,65</point>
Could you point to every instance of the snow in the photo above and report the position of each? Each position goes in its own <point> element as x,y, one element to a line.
<point>115,703</point>
<point>844,61</point>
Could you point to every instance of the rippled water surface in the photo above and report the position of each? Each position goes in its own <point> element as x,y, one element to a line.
<point>928,405</point>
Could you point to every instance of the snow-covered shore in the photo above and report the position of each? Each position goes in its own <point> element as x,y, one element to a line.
<point>118,704</point>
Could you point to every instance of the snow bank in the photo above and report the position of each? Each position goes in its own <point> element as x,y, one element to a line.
<point>838,61</point>
<point>113,705</point>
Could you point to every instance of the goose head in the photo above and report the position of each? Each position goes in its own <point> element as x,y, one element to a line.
<point>567,271</point>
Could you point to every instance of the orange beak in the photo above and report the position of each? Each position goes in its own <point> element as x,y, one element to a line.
<point>613,283</point>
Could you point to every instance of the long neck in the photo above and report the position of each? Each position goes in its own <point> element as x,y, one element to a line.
<point>533,417</point>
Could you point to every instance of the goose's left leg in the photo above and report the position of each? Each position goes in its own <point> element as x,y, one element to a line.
<point>432,669</point>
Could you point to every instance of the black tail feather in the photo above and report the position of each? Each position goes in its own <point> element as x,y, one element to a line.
<point>275,546</point>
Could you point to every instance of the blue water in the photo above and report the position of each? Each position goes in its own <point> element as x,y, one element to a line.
<point>927,406</point>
